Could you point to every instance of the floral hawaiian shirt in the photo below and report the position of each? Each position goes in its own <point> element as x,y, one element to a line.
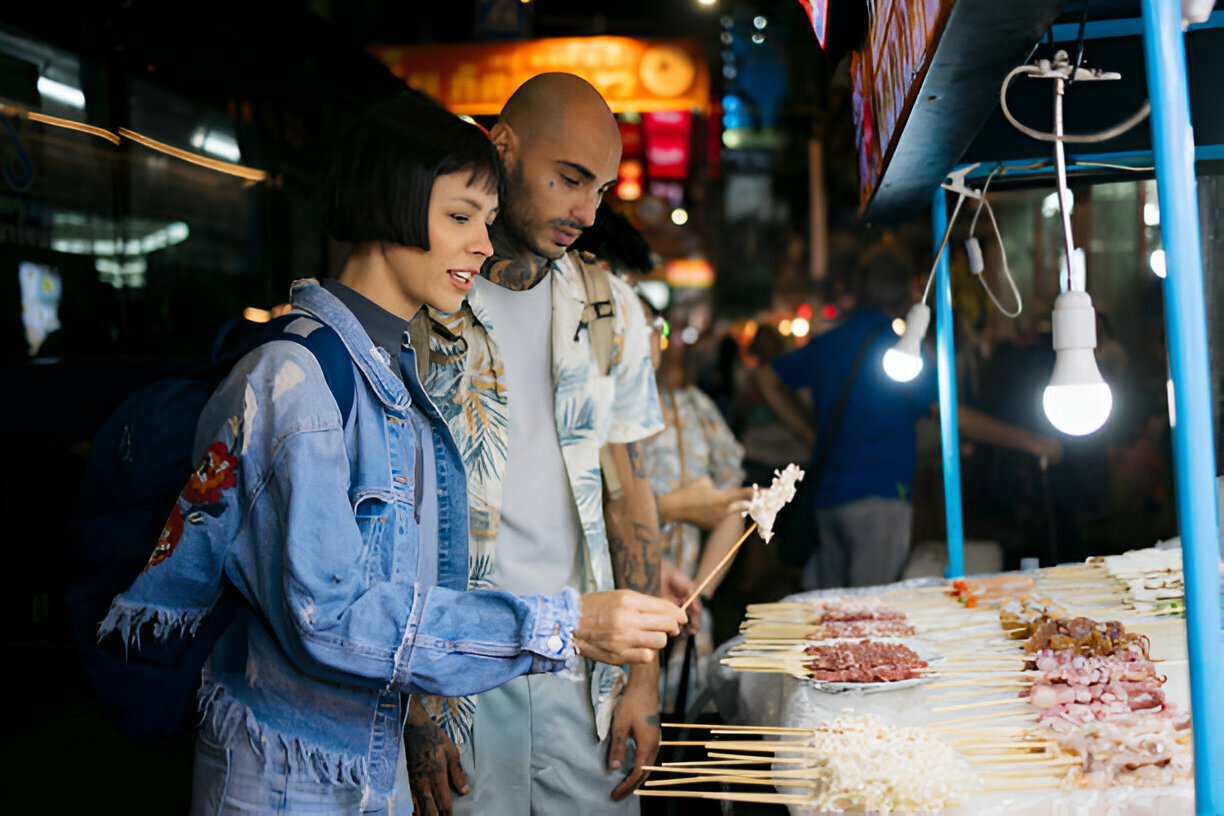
<point>466,379</point>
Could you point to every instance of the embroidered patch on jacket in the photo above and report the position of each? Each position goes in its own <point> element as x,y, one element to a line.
<point>216,473</point>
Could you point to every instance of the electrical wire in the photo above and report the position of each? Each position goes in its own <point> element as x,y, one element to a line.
<point>983,203</point>
<point>1059,138</point>
<point>960,199</point>
<point>1081,138</point>
<point>1109,166</point>
<point>1079,45</point>
<point>1006,270</point>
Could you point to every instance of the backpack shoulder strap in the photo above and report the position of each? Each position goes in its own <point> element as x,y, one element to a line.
<point>332,354</point>
<point>598,312</point>
<point>597,316</point>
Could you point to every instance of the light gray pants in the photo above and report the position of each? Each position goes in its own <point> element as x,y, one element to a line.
<point>862,543</point>
<point>533,752</point>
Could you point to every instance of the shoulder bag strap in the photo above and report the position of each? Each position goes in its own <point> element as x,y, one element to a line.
<point>825,444</point>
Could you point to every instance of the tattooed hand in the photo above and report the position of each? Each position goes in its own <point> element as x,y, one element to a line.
<point>433,764</point>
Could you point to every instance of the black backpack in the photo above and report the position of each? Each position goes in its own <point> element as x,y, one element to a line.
<point>138,462</point>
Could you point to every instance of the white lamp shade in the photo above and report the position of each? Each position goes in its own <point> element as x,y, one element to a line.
<point>903,362</point>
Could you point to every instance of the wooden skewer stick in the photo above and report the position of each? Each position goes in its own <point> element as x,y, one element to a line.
<point>976,718</point>
<point>759,758</point>
<point>739,760</point>
<point>971,746</point>
<point>762,798</point>
<point>1037,769</point>
<point>1025,760</point>
<point>982,704</point>
<point>956,697</point>
<point>762,746</point>
<point>752,729</point>
<point>1018,785</point>
<point>737,780</point>
<point>745,773</point>
<point>726,560</point>
<point>994,685</point>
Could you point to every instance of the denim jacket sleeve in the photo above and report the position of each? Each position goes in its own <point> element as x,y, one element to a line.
<point>300,559</point>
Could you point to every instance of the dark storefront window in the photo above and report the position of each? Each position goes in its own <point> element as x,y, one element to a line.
<point>122,250</point>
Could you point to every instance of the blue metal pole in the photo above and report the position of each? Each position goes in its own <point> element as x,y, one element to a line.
<point>945,354</point>
<point>1193,449</point>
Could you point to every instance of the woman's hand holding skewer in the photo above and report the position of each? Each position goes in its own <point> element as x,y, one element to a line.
<point>623,626</point>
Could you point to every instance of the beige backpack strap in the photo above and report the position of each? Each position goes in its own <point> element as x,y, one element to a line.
<point>601,327</point>
<point>597,309</point>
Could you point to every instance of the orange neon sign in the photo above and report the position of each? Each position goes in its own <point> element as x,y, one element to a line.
<point>632,74</point>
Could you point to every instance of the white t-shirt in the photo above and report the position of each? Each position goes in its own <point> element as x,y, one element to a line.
<point>538,537</point>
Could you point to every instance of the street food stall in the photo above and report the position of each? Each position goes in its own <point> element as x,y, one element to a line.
<point>1071,687</point>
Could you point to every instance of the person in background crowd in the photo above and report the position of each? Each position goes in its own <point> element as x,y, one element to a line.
<point>758,575</point>
<point>863,508</point>
<point>769,443</point>
<point>720,379</point>
<point>517,380</point>
<point>696,468</point>
<point>350,559</point>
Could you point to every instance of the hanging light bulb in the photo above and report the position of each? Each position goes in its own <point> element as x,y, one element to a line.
<point>1077,401</point>
<point>903,362</point>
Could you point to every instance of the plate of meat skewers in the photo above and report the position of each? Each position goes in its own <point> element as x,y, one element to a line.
<point>867,665</point>
<point>836,644</point>
<point>840,665</point>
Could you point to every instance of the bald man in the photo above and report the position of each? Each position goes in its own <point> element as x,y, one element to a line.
<point>515,376</point>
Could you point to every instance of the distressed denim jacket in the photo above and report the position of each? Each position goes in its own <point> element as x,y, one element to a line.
<point>311,518</point>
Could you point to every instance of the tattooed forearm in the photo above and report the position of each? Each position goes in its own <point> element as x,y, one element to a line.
<point>633,537</point>
<point>647,536</point>
<point>637,460</point>
<point>633,568</point>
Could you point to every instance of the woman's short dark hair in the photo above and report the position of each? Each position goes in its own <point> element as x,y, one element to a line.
<point>379,182</point>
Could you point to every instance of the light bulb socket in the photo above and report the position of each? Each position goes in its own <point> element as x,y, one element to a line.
<point>917,319</point>
<point>1074,322</point>
<point>973,251</point>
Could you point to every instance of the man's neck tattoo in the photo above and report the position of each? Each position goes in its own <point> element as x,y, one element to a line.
<point>512,265</point>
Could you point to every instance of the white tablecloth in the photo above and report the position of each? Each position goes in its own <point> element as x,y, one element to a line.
<point>776,699</point>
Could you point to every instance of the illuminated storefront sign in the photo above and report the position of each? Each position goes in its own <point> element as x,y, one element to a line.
<point>632,75</point>
<point>667,136</point>
<point>689,273</point>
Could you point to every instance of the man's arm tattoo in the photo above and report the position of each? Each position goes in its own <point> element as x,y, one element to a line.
<point>634,531</point>
<point>637,459</point>
<point>647,536</point>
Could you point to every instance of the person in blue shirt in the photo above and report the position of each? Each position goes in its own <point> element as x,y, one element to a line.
<point>863,496</point>
<point>347,537</point>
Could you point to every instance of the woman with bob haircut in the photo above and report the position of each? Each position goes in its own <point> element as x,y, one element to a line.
<point>344,530</point>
